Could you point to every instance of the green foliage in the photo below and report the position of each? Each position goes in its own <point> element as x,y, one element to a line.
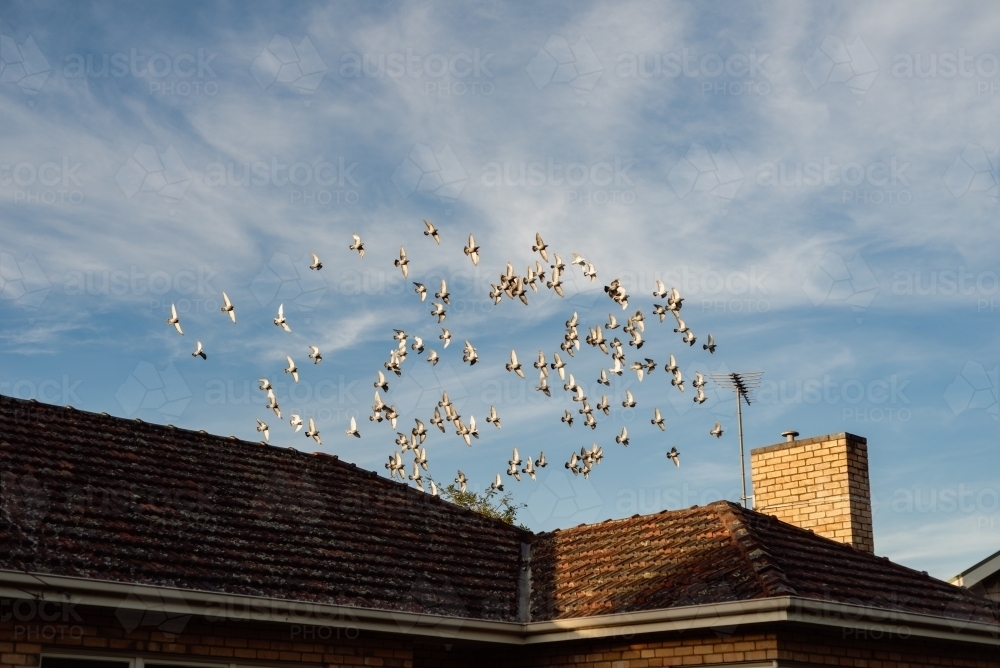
<point>487,503</point>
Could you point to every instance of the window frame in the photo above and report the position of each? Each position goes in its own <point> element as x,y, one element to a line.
<point>133,660</point>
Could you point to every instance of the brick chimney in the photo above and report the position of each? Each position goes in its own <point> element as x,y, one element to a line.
<point>817,483</point>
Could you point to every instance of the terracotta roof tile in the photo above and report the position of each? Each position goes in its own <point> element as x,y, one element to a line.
<point>718,553</point>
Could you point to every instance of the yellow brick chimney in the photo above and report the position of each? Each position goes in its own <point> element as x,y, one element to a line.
<point>817,483</point>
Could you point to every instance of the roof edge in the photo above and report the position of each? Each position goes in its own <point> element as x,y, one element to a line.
<point>217,606</point>
<point>970,576</point>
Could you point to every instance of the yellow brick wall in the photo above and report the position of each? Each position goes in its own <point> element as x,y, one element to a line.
<point>819,484</point>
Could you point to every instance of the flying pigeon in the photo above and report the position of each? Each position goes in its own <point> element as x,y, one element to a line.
<point>174,320</point>
<point>228,307</point>
<point>432,232</point>
<point>280,320</point>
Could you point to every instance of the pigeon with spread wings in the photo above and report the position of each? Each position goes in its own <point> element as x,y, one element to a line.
<point>358,245</point>
<point>228,308</point>
<point>432,232</point>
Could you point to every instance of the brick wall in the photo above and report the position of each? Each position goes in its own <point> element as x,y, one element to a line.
<point>23,637</point>
<point>819,484</point>
<point>649,653</point>
<point>23,640</point>
<point>872,649</point>
<point>808,646</point>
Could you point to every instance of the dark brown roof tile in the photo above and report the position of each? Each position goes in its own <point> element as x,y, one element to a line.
<point>99,497</point>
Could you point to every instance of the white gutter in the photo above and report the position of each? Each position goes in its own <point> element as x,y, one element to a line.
<point>723,616</point>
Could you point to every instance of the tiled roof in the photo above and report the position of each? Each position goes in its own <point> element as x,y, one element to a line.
<point>719,553</point>
<point>107,498</point>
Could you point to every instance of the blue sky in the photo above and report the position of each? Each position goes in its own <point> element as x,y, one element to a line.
<point>819,181</point>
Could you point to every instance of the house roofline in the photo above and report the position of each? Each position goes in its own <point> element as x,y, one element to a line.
<point>720,616</point>
<point>977,572</point>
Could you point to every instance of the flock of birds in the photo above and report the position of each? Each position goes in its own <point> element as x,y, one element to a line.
<point>514,287</point>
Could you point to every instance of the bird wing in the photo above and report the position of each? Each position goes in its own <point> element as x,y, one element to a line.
<point>173,311</point>
<point>513,358</point>
<point>402,253</point>
<point>291,364</point>
<point>430,227</point>
<point>357,239</point>
<point>225,298</point>
<point>312,426</point>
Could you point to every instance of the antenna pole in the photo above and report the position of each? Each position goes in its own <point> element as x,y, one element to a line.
<point>743,386</point>
<point>743,468</point>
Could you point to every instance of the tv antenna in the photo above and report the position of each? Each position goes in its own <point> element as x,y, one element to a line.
<point>743,385</point>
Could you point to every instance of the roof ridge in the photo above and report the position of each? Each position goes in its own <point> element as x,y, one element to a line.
<point>772,579</point>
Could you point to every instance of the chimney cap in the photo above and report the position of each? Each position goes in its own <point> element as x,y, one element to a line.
<point>790,435</point>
